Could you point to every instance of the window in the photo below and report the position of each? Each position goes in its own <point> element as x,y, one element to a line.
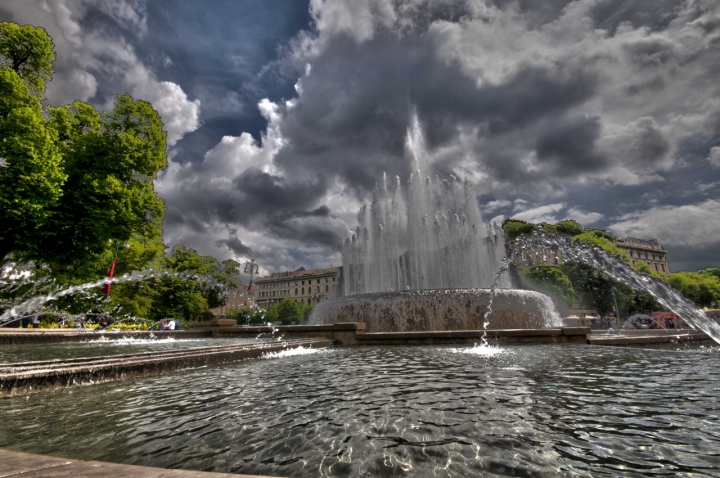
<point>295,290</point>
<point>303,282</point>
<point>317,290</point>
<point>318,281</point>
<point>327,288</point>
<point>303,290</point>
<point>327,279</point>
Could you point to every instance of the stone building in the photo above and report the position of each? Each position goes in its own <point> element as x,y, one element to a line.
<point>648,251</point>
<point>309,287</point>
<point>236,300</point>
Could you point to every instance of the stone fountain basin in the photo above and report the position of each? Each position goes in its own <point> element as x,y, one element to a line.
<point>440,310</point>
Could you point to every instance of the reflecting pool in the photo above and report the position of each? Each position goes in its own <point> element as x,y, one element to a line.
<point>538,410</point>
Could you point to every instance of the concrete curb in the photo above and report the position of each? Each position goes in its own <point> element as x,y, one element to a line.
<point>30,465</point>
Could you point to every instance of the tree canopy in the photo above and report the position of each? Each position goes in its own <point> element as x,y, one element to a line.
<point>31,172</point>
<point>702,287</point>
<point>28,51</point>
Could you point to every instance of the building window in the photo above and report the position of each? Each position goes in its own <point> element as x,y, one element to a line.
<point>318,281</point>
<point>303,282</point>
<point>303,290</point>
<point>327,288</point>
<point>295,290</point>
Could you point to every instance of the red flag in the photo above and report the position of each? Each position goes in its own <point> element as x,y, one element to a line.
<point>106,289</point>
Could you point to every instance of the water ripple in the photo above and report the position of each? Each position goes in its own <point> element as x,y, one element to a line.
<point>531,411</point>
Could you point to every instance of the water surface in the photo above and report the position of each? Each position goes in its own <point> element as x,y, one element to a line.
<point>398,411</point>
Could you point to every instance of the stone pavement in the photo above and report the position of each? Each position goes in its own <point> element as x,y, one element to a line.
<point>29,465</point>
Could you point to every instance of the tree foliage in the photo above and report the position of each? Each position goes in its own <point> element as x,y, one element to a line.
<point>290,310</point>
<point>28,51</point>
<point>195,284</point>
<point>514,228</point>
<point>31,176</point>
<point>552,281</point>
<point>110,160</point>
<point>702,287</point>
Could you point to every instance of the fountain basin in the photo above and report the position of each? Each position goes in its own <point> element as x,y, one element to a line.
<point>441,309</point>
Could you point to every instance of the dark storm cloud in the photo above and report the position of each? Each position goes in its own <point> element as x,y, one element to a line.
<point>262,193</point>
<point>570,146</point>
<point>236,245</point>
<point>355,106</point>
<point>585,108</point>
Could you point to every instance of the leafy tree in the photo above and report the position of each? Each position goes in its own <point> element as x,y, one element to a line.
<point>514,228</point>
<point>571,228</point>
<point>31,177</point>
<point>28,51</point>
<point>593,288</point>
<point>289,310</point>
<point>196,284</point>
<point>552,281</point>
<point>110,160</point>
<point>702,287</point>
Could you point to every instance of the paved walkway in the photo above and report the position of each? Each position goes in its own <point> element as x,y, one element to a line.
<point>30,465</point>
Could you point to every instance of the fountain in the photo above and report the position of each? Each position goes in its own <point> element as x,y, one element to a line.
<point>562,248</point>
<point>423,259</point>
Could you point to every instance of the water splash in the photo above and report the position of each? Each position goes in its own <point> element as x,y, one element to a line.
<point>483,350</point>
<point>294,352</point>
<point>426,234</point>
<point>34,303</point>
<point>561,247</point>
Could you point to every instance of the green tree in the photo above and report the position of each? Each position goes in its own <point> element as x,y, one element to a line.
<point>28,51</point>
<point>31,177</point>
<point>702,287</point>
<point>290,310</point>
<point>110,160</point>
<point>593,288</point>
<point>514,228</point>
<point>552,281</point>
<point>571,228</point>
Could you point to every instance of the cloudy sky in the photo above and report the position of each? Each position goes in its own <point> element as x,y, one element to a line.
<point>282,115</point>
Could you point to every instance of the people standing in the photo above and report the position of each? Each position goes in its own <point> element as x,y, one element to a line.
<point>36,320</point>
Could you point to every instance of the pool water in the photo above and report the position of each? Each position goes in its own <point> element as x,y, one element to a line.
<point>539,410</point>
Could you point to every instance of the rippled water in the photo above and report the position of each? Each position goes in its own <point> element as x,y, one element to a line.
<point>398,411</point>
<point>108,346</point>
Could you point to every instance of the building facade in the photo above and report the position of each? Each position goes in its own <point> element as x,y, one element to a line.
<point>236,300</point>
<point>648,251</point>
<point>310,287</point>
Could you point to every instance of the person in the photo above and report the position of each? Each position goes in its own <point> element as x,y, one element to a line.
<point>163,324</point>
<point>36,320</point>
<point>613,323</point>
<point>171,324</point>
<point>177,324</point>
<point>103,323</point>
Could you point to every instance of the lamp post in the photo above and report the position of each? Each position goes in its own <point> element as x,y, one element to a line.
<point>251,268</point>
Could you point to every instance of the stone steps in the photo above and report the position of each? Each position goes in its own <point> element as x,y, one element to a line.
<point>26,377</point>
